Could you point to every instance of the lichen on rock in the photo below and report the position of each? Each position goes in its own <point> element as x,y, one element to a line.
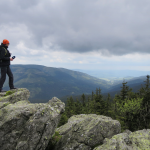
<point>138,140</point>
<point>27,126</point>
<point>86,131</point>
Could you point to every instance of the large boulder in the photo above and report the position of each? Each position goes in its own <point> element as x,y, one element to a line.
<point>138,140</point>
<point>27,126</point>
<point>84,132</point>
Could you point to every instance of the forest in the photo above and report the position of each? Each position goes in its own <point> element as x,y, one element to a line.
<point>131,109</point>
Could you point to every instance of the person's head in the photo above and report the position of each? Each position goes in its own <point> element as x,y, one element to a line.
<point>6,42</point>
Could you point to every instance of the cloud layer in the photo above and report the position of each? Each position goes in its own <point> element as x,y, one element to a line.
<point>112,27</point>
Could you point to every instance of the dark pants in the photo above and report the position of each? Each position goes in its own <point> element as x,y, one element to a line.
<point>5,70</point>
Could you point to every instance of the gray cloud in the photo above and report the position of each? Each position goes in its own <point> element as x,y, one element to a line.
<point>122,27</point>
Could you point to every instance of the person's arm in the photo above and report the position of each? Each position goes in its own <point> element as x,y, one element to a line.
<point>2,55</point>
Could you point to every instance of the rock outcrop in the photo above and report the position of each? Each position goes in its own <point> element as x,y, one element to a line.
<point>97,132</point>
<point>83,132</point>
<point>24,125</point>
<point>138,140</point>
<point>32,126</point>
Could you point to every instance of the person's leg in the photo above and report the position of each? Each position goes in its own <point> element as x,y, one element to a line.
<point>11,79</point>
<point>3,76</point>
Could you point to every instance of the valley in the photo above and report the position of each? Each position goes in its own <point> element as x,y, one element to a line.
<point>47,82</point>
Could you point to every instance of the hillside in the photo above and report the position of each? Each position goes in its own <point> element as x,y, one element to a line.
<point>134,83</point>
<point>109,74</point>
<point>47,82</point>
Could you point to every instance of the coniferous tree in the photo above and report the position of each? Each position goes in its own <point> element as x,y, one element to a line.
<point>132,108</point>
<point>126,119</point>
<point>67,109</point>
<point>141,92</point>
<point>94,103</point>
<point>63,120</point>
<point>70,107</point>
<point>117,115</point>
<point>83,100</point>
<point>132,95</point>
<point>99,102</point>
<point>107,105</point>
<point>129,119</point>
<point>96,91</point>
<point>88,105</point>
<point>92,95</point>
<point>145,114</point>
<point>124,92</point>
<point>147,89</point>
<point>78,106</point>
<point>117,99</point>
<point>99,92</point>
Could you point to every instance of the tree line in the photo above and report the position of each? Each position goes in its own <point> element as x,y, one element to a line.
<point>131,109</point>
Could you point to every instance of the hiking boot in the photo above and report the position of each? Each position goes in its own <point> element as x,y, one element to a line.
<point>13,88</point>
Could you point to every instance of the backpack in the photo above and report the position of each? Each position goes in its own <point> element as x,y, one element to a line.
<point>5,51</point>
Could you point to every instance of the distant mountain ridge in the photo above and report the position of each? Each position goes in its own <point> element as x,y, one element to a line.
<point>46,82</point>
<point>109,74</point>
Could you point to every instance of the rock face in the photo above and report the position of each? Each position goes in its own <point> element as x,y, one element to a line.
<point>27,126</point>
<point>139,140</point>
<point>82,132</point>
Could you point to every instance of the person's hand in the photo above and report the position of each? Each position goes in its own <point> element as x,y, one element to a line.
<point>11,59</point>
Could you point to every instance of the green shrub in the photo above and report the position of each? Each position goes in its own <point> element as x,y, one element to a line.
<point>9,93</point>
<point>55,138</point>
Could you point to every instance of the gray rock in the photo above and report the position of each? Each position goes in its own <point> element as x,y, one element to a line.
<point>82,132</point>
<point>127,131</point>
<point>139,140</point>
<point>17,95</point>
<point>27,126</point>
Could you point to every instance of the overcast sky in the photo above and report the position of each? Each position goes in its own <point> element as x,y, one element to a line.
<point>78,34</point>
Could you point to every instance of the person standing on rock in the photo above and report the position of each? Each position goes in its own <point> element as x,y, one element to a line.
<point>5,65</point>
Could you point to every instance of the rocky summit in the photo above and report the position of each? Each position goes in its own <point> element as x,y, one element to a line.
<point>27,126</point>
<point>97,132</point>
<point>83,132</point>
<point>33,126</point>
<point>138,140</point>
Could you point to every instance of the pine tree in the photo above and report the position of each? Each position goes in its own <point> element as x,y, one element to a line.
<point>115,101</point>
<point>130,94</point>
<point>92,95</point>
<point>99,93</point>
<point>124,95</point>
<point>99,102</point>
<point>147,89</point>
<point>146,104</point>
<point>124,92</point>
<point>141,92</point>
<point>70,107</point>
<point>88,105</point>
<point>96,91</point>
<point>107,105</point>
<point>83,100</point>
<point>91,109</point>
<point>78,107</point>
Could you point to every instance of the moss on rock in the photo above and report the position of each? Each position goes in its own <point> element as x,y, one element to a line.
<point>55,138</point>
<point>9,93</point>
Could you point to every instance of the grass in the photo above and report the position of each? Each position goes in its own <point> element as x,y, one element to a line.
<point>9,93</point>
